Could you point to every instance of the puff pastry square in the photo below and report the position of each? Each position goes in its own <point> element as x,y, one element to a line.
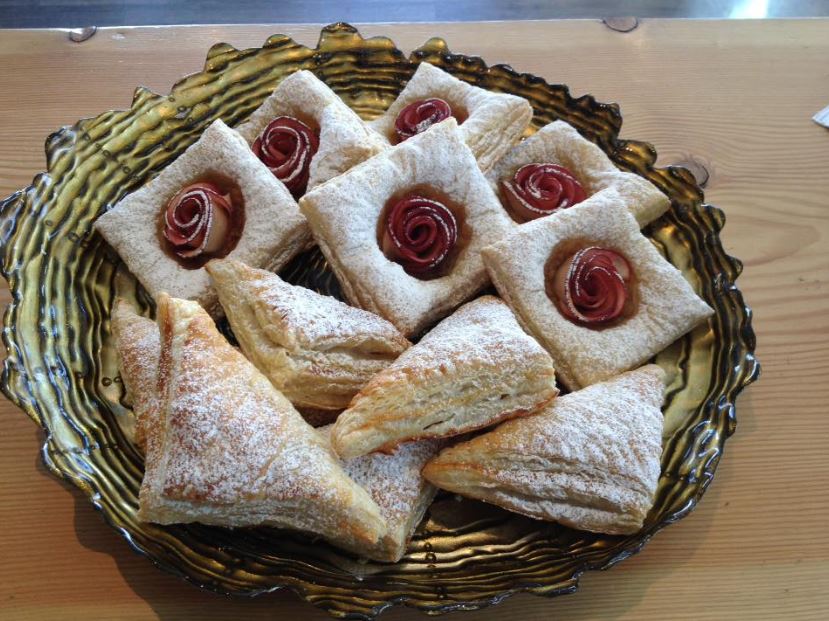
<point>395,483</point>
<point>560,143</point>
<point>138,346</point>
<point>344,138</point>
<point>344,215</point>
<point>590,460</point>
<point>474,369</point>
<point>316,350</point>
<point>274,230</point>
<point>491,123</point>
<point>230,450</point>
<point>667,305</point>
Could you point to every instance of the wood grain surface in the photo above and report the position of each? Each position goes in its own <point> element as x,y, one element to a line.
<point>735,98</point>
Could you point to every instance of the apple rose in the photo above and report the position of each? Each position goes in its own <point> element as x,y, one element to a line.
<point>286,147</point>
<point>537,190</point>
<point>591,286</point>
<point>419,234</point>
<point>419,116</point>
<point>197,220</point>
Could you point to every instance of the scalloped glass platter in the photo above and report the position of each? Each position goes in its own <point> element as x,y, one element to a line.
<point>61,367</point>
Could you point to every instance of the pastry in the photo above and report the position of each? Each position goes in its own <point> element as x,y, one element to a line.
<point>394,482</point>
<point>403,231</point>
<point>490,122</point>
<point>305,134</point>
<point>474,369</point>
<point>215,200</point>
<point>230,450</point>
<point>593,290</point>
<point>316,350</point>
<point>589,460</point>
<point>556,168</point>
<point>138,347</point>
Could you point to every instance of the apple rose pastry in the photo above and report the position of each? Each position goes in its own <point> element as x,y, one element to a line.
<point>537,190</point>
<point>216,199</point>
<point>490,123</point>
<point>403,231</point>
<point>557,167</point>
<point>286,147</point>
<point>593,290</point>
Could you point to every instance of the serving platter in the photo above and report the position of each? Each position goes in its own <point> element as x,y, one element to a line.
<point>61,366</point>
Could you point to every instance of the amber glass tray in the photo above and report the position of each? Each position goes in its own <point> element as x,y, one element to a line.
<point>61,367</point>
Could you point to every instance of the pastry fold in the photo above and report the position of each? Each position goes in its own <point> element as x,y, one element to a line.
<point>590,460</point>
<point>230,450</point>
<point>138,346</point>
<point>316,350</point>
<point>475,368</point>
<point>395,483</point>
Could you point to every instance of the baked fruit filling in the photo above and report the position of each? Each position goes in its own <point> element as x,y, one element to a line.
<point>419,233</point>
<point>420,115</point>
<point>537,190</point>
<point>593,287</point>
<point>202,221</point>
<point>286,146</point>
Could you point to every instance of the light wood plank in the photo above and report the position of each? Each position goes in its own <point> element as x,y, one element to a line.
<point>737,96</point>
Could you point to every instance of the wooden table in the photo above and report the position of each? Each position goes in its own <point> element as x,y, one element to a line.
<point>734,97</point>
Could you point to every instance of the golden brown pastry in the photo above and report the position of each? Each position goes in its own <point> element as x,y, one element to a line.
<point>593,290</point>
<point>316,350</point>
<point>230,450</point>
<point>138,347</point>
<point>589,460</point>
<point>394,482</point>
<point>474,369</point>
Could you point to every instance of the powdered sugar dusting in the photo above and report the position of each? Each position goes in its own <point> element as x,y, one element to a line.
<point>393,480</point>
<point>482,333</point>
